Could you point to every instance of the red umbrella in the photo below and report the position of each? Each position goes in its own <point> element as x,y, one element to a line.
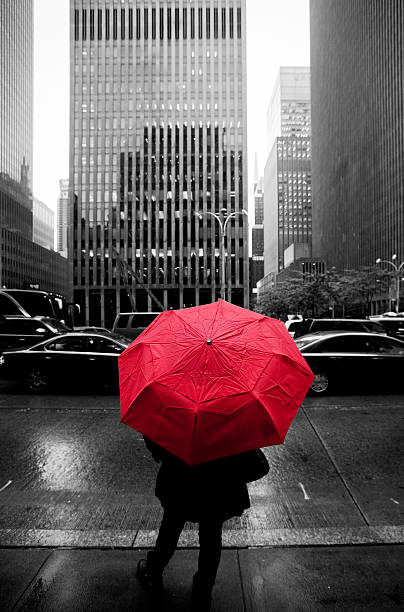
<point>212,381</point>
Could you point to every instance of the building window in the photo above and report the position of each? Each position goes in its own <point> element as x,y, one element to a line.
<point>107,24</point>
<point>130,24</point>
<point>177,23</point>
<point>208,23</point>
<point>84,24</point>
<point>169,24</point>
<point>122,24</point>
<point>153,23</point>
<point>239,23</point>
<point>161,23</point>
<point>200,24</point>
<point>76,25</point>
<point>192,23</point>
<point>99,24</point>
<point>138,24</point>
<point>215,22</point>
<point>184,22</point>
<point>115,24</point>
<point>231,22</point>
<point>146,23</point>
<point>91,24</point>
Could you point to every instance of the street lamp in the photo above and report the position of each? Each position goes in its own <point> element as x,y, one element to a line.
<point>223,220</point>
<point>397,273</point>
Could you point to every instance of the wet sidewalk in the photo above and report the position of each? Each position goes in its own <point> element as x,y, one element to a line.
<point>361,578</point>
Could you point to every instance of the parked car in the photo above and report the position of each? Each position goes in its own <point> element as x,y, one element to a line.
<point>21,332</point>
<point>131,324</point>
<point>353,361</point>
<point>73,359</point>
<point>308,326</point>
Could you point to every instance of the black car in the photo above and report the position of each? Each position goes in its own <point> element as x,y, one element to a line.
<point>298,328</point>
<point>75,359</point>
<point>353,361</point>
<point>20,332</point>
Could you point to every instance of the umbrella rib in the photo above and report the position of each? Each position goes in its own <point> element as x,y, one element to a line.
<point>268,413</point>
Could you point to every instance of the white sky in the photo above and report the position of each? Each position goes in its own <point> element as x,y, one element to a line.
<point>277,35</point>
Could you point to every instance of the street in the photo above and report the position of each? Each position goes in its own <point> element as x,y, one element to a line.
<point>72,474</point>
<point>77,509</point>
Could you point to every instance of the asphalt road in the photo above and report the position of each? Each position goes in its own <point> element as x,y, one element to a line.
<point>72,474</point>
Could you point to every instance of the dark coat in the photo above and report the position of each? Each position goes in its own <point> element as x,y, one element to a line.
<point>214,489</point>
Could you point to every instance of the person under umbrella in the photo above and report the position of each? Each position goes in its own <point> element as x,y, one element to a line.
<point>209,494</point>
<point>207,386</point>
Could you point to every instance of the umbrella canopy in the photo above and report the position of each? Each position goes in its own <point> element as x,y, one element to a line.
<point>212,381</point>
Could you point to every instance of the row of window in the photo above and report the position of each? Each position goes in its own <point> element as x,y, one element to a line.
<point>135,23</point>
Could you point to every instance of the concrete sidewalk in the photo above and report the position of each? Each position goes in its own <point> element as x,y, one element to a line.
<point>361,578</point>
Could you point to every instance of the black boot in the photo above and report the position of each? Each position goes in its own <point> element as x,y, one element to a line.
<point>149,577</point>
<point>201,595</point>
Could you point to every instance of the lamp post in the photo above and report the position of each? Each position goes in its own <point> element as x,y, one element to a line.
<point>397,273</point>
<point>223,220</point>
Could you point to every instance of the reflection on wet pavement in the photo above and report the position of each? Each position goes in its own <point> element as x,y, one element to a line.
<point>74,466</point>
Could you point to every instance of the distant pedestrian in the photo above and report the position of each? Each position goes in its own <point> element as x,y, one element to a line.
<point>208,494</point>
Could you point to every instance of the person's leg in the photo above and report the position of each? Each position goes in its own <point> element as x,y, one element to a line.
<point>210,550</point>
<point>170,530</point>
<point>150,570</point>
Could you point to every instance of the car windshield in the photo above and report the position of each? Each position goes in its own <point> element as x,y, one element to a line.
<point>33,303</point>
<point>56,325</point>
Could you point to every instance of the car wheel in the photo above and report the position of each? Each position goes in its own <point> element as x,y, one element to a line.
<point>37,381</point>
<point>320,384</point>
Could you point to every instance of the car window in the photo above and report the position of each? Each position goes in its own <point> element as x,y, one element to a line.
<point>143,320</point>
<point>294,325</point>
<point>376,328</point>
<point>123,321</point>
<point>7,306</point>
<point>344,344</point>
<point>71,343</point>
<point>21,327</point>
<point>103,345</point>
<point>387,346</point>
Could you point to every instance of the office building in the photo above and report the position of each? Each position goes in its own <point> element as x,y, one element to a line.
<point>358,132</point>
<point>16,118</point>
<point>43,225</point>
<point>287,176</point>
<point>257,234</point>
<point>158,116</point>
<point>62,219</point>
<point>23,263</point>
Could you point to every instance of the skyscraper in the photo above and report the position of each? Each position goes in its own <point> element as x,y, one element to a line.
<point>158,117</point>
<point>358,131</point>
<point>287,177</point>
<point>62,218</point>
<point>257,234</point>
<point>22,262</point>
<point>16,121</point>
<point>43,225</point>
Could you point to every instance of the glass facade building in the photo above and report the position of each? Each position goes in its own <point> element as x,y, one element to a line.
<point>43,225</point>
<point>158,134</point>
<point>16,120</point>
<point>358,131</point>
<point>23,263</point>
<point>62,218</point>
<point>287,177</point>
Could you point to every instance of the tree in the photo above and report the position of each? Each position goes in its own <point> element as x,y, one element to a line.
<point>347,293</point>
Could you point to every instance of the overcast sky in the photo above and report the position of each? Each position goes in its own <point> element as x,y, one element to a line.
<point>277,35</point>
